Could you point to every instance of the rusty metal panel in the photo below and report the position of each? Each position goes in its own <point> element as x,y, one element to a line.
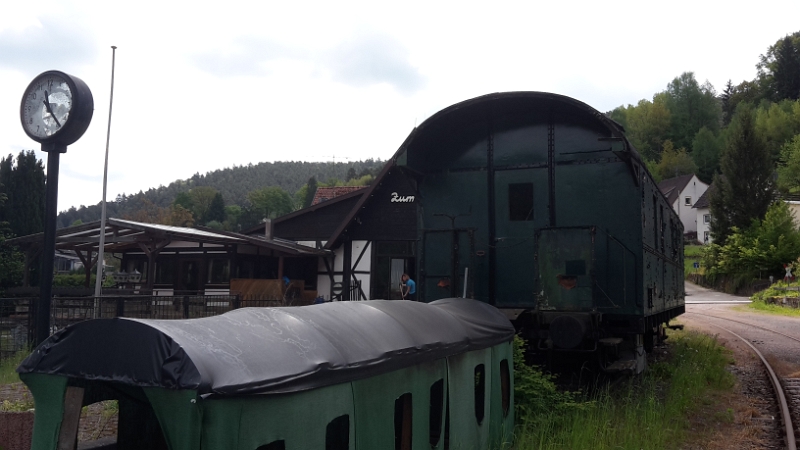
<point>565,260</point>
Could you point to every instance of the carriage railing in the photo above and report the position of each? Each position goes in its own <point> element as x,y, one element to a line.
<point>17,315</point>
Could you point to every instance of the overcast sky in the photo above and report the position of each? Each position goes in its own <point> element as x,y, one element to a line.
<point>201,87</point>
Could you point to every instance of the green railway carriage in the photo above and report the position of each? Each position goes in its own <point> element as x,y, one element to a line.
<point>348,375</point>
<point>538,204</point>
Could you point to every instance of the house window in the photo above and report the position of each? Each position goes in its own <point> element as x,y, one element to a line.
<point>706,218</point>
<point>687,201</point>
<point>520,201</point>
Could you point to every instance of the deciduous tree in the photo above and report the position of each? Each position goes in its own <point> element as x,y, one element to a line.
<point>706,148</point>
<point>692,106</point>
<point>674,162</point>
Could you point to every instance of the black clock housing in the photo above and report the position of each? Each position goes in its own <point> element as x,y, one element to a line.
<point>80,114</point>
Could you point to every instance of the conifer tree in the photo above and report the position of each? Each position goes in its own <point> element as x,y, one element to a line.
<point>744,190</point>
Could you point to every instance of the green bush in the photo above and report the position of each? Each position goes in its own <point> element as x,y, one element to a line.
<point>765,246</point>
<point>535,393</point>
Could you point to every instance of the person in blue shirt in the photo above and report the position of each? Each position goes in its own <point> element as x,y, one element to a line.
<point>408,289</point>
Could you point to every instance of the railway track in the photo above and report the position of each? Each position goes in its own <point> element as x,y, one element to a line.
<point>787,393</point>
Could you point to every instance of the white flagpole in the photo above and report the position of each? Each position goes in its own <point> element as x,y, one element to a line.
<point>102,246</point>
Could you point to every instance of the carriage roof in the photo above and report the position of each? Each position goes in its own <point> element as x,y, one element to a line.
<point>270,350</point>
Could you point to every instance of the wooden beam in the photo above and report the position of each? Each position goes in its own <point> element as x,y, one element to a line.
<point>68,433</point>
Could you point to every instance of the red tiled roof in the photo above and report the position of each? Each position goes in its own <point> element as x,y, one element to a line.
<point>327,193</point>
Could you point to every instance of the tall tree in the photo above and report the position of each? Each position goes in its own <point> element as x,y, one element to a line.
<point>270,202</point>
<point>312,189</point>
<point>789,168</point>
<point>11,260</point>
<point>216,212</point>
<point>648,124</point>
<point>692,106</point>
<point>202,196</point>
<point>777,123</point>
<point>779,69</point>
<point>24,182</point>
<point>674,162</point>
<point>706,148</point>
<point>744,190</point>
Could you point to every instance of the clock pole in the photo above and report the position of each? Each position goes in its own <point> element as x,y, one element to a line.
<point>54,152</point>
<point>55,111</point>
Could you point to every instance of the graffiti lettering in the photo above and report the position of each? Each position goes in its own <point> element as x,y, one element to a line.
<point>397,199</point>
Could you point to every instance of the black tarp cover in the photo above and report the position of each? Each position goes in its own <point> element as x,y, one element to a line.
<point>261,350</point>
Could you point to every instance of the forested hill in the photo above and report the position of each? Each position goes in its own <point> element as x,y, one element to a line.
<point>233,183</point>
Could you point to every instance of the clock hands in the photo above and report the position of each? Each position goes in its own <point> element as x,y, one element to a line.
<point>47,105</point>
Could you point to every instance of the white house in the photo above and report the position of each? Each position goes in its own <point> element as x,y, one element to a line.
<point>682,193</point>
<point>701,206</point>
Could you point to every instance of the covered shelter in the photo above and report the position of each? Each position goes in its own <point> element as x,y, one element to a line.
<point>164,260</point>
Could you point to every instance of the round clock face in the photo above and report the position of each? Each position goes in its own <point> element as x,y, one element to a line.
<point>46,106</point>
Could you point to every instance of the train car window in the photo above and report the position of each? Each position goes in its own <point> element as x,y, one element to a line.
<point>505,387</point>
<point>437,407</point>
<point>337,434</point>
<point>480,392</point>
<point>402,422</point>
<point>274,445</point>
<point>520,201</point>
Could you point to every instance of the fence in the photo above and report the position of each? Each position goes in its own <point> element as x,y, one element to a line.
<point>17,315</point>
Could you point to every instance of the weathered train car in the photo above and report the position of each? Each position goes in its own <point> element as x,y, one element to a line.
<point>347,375</point>
<point>538,204</point>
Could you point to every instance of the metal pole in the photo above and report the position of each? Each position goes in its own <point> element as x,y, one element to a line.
<point>48,253</point>
<point>102,246</point>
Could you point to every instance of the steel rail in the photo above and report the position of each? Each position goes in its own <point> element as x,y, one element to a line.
<point>776,384</point>
<point>746,323</point>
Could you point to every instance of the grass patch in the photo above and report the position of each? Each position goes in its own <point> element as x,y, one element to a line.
<point>8,367</point>
<point>691,254</point>
<point>762,300</point>
<point>654,410</point>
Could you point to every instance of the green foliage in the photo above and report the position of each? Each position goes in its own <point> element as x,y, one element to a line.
<point>648,124</point>
<point>8,367</point>
<point>706,148</point>
<point>789,169</point>
<point>766,245</point>
<point>652,411</point>
<point>270,202</point>
<point>234,183</point>
<point>674,163</point>
<point>216,211</point>
<point>535,394</point>
<point>652,167</point>
<point>11,259</point>
<point>692,106</point>
<point>779,69</point>
<point>23,183</point>
<point>202,198</point>
<point>777,123</point>
<point>745,189</point>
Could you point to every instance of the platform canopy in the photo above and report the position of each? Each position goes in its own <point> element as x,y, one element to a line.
<point>270,350</point>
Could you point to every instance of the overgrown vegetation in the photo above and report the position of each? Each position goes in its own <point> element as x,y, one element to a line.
<point>8,367</point>
<point>759,250</point>
<point>692,254</point>
<point>770,300</point>
<point>650,411</point>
